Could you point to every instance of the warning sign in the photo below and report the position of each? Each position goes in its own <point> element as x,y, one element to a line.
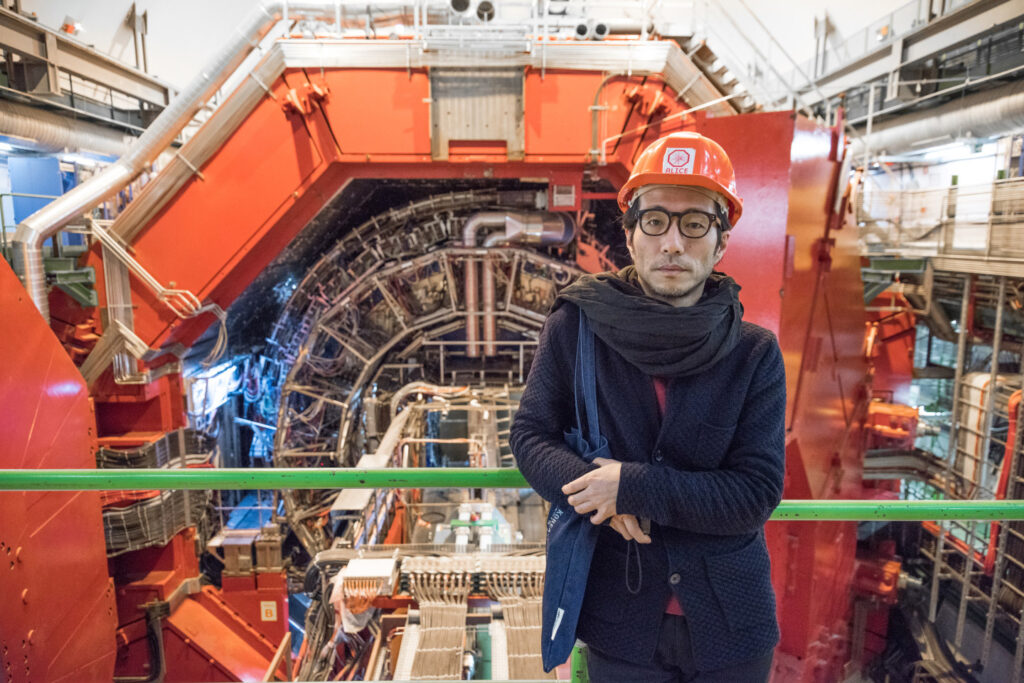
<point>268,610</point>
<point>678,160</point>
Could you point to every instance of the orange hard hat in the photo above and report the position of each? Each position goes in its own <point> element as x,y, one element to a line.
<point>686,159</point>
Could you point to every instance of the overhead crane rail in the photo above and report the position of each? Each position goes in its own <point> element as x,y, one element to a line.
<point>472,477</point>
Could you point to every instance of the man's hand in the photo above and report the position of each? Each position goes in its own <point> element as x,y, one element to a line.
<point>629,528</point>
<point>596,491</point>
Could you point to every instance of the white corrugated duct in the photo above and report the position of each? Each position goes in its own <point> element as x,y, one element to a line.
<point>50,132</point>
<point>982,114</point>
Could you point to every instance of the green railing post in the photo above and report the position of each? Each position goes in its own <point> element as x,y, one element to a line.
<point>578,664</point>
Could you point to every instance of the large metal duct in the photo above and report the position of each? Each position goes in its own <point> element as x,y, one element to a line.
<point>538,227</point>
<point>525,227</point>
<point>41,225</point>
<point>50,132</point>
<point>983,114</point>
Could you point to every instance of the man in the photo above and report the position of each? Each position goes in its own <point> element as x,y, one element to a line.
<point>692,402</point>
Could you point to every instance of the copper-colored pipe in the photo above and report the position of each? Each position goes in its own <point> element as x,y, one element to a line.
<point>494,219</point>
<point>472,324</point>
<point>537,227</point>
<point>490,319</point>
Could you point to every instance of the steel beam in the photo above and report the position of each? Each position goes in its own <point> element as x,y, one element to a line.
<point>58,51</point>
<point>941,34</point>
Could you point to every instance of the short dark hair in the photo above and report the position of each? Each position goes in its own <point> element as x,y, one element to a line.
<point>632,217</point>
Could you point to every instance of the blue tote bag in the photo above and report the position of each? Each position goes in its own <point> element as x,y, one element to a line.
<point>571,536</point>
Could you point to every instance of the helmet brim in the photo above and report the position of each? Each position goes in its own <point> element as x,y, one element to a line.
<point>680,180</point>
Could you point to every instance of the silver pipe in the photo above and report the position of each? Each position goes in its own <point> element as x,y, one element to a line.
<point>50,132</point>
<point>495,239</point>
<point>524,227</point>
<point>483,219</point>
<point>424,388</point>
<point>982,114</point>
<point>534,227</point>
<point>866,140</point>
<point>43,224</point>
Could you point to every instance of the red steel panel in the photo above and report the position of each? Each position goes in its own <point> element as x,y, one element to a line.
<point>759,146</point>
<point>378,111</point>
<point>208,626</point>
<point>213,223</point>
<point>826,380</point>
<point>821,323</point>
<point>260,599</point>
<point>56,599</point>
<point>213,635</point>
<point>153,573</point>
<point>203,641</point>
<point>893,349</point>
<point>557,113</point>
<point>131,411</point>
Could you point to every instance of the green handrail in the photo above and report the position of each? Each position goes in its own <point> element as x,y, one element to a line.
<point>270,478</point>
<point>327,478</point>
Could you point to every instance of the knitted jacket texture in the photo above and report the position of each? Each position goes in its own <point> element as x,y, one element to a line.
<point>708,476</point>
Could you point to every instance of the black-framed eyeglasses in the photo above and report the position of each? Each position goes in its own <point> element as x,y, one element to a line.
<point>693,223</point>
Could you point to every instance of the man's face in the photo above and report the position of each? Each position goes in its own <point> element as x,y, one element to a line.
<point>672,267</point>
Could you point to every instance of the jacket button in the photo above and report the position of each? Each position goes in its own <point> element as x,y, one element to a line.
<point>675,578</point>
<point>658,456</point>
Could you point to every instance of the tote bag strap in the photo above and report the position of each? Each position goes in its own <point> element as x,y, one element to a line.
<point>585,383</point>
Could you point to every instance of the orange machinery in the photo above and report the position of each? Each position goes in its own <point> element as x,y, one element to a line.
<point>284,155</point>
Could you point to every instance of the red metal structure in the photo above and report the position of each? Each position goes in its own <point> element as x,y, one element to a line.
<point>313,133</point>
<point>56,597</point>
<point>207,634</point>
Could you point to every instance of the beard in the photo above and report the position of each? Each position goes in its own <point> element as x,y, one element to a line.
<point>687,282</point>
<point>672,291</point>
<point>695,260</point>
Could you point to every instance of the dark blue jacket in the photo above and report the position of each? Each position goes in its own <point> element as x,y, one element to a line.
<point>708,477</point>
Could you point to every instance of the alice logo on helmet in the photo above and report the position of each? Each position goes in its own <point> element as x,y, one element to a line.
<point>678,160</point>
